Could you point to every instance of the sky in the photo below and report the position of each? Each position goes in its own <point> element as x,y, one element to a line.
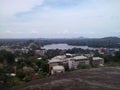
<point>59,18</point>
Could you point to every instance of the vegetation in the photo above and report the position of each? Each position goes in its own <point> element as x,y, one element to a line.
<point>113,64</point>
<point>84,66</point>
<point>31,64</point>
<point>6,57</point>
<point>77,50</point>
<point>110,60</point>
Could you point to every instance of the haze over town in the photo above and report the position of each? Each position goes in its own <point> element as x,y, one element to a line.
<point>59,18</point>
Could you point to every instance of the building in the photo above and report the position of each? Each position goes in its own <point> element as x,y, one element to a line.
<point>72,62</point>
<point>60,57</point>
<point>40,52</point>
<point>78,60</point>
<point>97,61</point>
<point>68,55</point>
<point>54,62</point>
<point>102,51</point>
<point>57,69</point>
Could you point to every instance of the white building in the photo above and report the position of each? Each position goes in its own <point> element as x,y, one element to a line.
<point>77,60</point>
<point>57,69</point>
<point>97,61</point>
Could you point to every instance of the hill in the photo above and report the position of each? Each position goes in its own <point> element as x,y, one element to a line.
<point>111,38</point>
<point>92,79</point>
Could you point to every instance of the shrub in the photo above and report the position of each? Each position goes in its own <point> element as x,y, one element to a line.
<point>43,74</point>
<point>27,78</point>
<point>83,66</point>
<point>21,74</point>
<point>113,64</point>
<point>15,81</point>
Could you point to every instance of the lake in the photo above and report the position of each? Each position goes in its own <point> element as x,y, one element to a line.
<point>65,46</point>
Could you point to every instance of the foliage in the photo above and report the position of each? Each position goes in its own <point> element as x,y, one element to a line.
<point>20,74</point>
<point>52,53</point>
<point>117,56</point>
<point>3,73</point>
<point>15,81</point>
<point>43,74</point>
<point>21,64</point>
<point>112,64</point>
<point>83,66</point>
<point>77,51</point>
<point>27,78</point>
<point>43,65</point>
<point>6,57</point>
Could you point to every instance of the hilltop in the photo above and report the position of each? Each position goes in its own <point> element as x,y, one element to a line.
<point>111,38</point>
<point>87,79</point>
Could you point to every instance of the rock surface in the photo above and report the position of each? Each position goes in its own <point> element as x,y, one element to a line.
<point>92,79</point>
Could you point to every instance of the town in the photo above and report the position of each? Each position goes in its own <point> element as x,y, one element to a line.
<point>24,61</point>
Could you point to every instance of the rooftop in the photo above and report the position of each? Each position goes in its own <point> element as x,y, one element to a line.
<point>55,60</point>
<point>68,54</point>
<point>79,57</point>
<point>60,57</point>
<point>97,58</point>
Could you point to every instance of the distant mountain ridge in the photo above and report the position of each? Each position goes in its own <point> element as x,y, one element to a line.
<point>104,38</point>
<point>109,38</point>
<point>81,37</point>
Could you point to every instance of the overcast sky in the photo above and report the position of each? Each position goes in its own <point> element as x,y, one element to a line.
<point>59,18</point>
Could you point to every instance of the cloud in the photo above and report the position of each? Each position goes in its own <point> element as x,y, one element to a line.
<point>10,8</point>
<point>58,18</point>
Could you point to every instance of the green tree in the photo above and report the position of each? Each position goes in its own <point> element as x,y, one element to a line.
<point>117,56</point>
<point>21,74</point>
<point>4,73</point>
<point>8,57</point>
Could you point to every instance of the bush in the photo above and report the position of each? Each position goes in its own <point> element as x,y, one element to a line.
<point>43,74</point>
<point>21,74</point>
<point>113,64</point>
<point>27,78</point>
<point>15,81</point>
<point>84,66</point>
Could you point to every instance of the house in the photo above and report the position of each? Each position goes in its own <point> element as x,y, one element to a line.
<point>39,58</point>
<point>68,55</point>
<point>11,74</point>
<point>97,61</point>
<point>57,69</point>
<point>63,58</point>
<point>24,50</point>
<point>101,51</point>
<point>54,62</point>
<point>77,60</point>
<point>40,52</point>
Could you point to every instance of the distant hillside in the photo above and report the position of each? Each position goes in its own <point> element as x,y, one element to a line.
<point>93,79</point>
<point>111,38</point>
<point>110,42</point>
